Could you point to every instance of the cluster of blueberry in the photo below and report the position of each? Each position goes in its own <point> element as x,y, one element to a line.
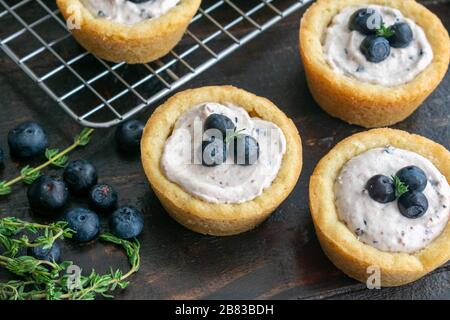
<point>214,151</point>
<point>407,185</point>
<point>376,47</point>
<point>49,195</point>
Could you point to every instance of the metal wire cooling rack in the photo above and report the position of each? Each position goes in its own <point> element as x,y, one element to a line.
<point>100,94</point>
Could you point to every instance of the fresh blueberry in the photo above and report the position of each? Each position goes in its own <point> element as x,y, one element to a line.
<point>375,49</point>
<point>27,140</point>
<point>245,149</point>
<point>219,122</point>
<point>214,152</point>
<point>414,177</point>
<point>366,21</point>
<point>84,222</point>
<point>129,134</point>
<point>381,188</point>
<point>80,176</point>
<point>47,195</point>
<point>402,37</point>
<point>52,254</point>
<point>413,204</point>
<point>103,198</point>
<point>140,1</point>
<point>127,222</point>
<point>2,158</point>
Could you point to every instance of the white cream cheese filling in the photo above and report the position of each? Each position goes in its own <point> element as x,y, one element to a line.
<point>127,12</point>
<point>341,49</point>
<point>382,225</point>
<point>228,182</point>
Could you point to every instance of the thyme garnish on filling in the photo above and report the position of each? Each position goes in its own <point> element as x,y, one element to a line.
<point>400,187</point>
<point>235,134</point>
<point>385,32</point>
<point>40,279</point>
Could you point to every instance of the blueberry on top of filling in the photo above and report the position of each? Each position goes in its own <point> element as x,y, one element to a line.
<point>414,177</point>
<point>402,36</point>
<point>246,150</point>
<point>219,122</point>
<point>214,152</point>
<point>381,188</point>
<point>140,1</point>
<point>413,204</point>
<point>366,21</point>
<point>375,49</point>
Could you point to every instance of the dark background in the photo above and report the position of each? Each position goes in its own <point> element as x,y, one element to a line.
<point>281,259</point>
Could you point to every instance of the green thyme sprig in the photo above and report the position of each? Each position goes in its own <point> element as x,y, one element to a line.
<point>96,284</point>
<point>400,187</point>
<point>235,134</point>
<point>28,174</point>
<point>40,279</point>
<point>384,31</point>
<point>39,271</point>
<point>4,189</point>
<point>11,227</point>
<point>60,162</point>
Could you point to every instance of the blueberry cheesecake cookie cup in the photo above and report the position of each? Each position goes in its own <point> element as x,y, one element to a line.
<point>372,62</point>
<point>380,202</point>
<point>134,31</point>
<point>220,159</point>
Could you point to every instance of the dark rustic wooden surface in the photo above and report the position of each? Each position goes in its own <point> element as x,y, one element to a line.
<point>281,259</point>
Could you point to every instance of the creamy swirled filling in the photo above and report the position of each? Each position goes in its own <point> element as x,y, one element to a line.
<point>381,225</point>
<point>229,182</point>
<point>129,12</point>
<point>341,48</point>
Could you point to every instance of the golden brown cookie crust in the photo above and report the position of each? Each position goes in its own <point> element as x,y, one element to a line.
<point>341,246</point>
<point>211,218</point>
<point>365,104</point>
<point>140,43</point>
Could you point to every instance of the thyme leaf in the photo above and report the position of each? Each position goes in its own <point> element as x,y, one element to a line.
<point>60,162</point>
<point>385,32</point>
<point>4,189</point>
<point>235,134</point>
<point>29,174</point>
<point>84,137</point>
<point>400,187</point>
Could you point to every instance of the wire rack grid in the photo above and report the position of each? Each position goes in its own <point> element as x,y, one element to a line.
<point>100,94</point>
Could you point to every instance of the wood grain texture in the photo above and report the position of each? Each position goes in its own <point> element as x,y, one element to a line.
<point>282,258</point>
